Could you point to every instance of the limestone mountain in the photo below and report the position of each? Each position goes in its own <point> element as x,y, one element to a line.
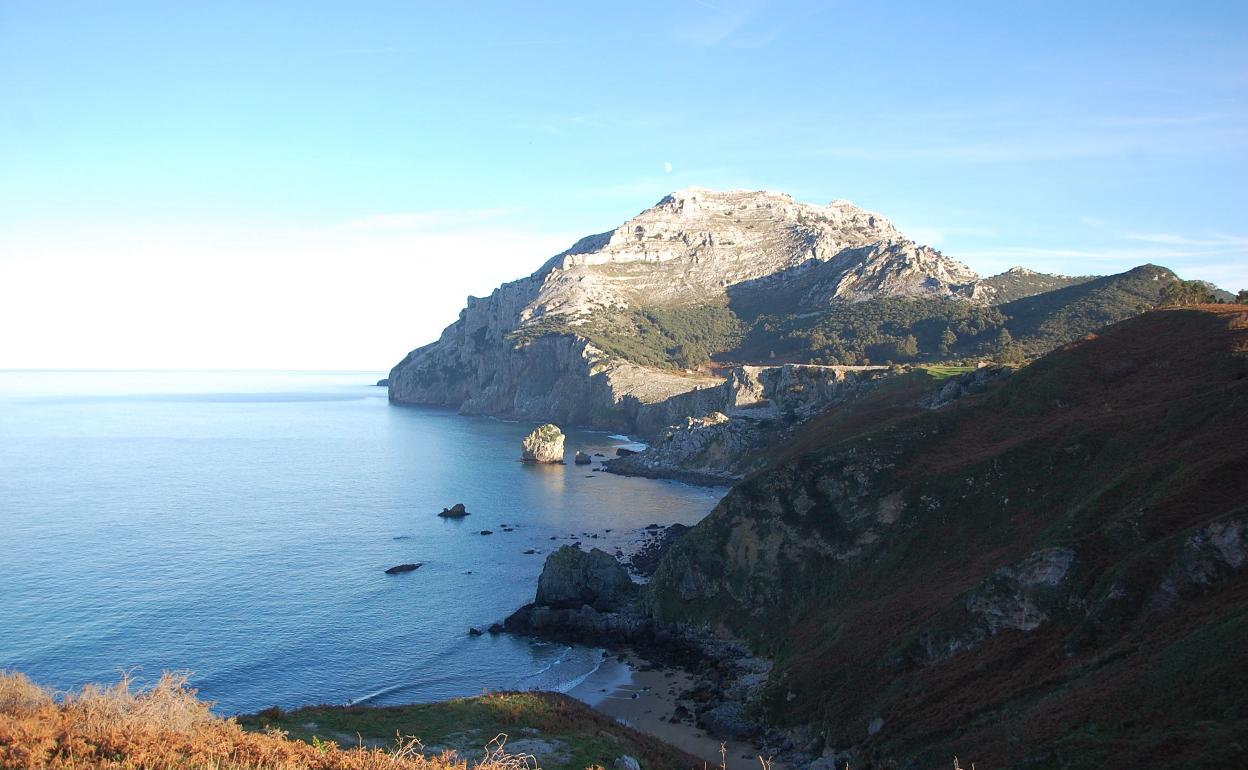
<point>627,328</point>
<point>555,344</point>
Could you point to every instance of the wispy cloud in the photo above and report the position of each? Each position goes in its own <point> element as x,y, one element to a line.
<point>437,219</point>
<point>1212,244</point>
<point>1008,132</point>
<point>732,23</point>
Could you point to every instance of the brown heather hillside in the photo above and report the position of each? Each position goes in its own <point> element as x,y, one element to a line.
<point>167,727</point>
<point>1053,573</point>
<point>163,728</point>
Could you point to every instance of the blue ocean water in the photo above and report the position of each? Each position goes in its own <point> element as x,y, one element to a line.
<point>237,525</point>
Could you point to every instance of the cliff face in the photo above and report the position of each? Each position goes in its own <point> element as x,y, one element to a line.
<point>754,409</point>
<point>693,248</point>
<point>1068,548</point>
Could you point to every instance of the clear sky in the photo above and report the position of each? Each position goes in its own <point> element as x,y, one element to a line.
<point>319,185</point>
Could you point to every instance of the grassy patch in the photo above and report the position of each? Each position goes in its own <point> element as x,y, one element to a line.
<point>944,372</point>
<point>579,736</point>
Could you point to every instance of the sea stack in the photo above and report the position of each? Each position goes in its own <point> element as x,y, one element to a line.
<point>543,445</point>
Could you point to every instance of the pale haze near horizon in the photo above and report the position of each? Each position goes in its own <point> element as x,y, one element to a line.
<point>319,186</point>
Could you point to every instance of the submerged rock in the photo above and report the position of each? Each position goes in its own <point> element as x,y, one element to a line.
<point>401,568</point>
<point>583,459</point>
<point>543,445</point>
<point>456,511</point>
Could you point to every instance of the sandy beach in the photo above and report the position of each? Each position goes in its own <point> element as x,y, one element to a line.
<point>644,696</point>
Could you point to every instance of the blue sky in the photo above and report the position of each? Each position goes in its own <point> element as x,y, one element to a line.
<point>320,184</point>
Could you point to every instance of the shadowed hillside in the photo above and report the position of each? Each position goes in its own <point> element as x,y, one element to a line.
<point>1050,573</point>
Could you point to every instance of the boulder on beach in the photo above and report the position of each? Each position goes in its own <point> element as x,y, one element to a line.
<point>543,445</point>
<point>456,511</point>
<point>583,459</point>
<point>572,578</point>
<point>400,568</point>
<point>624,451</point>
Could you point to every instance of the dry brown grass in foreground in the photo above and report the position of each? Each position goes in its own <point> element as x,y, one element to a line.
<point>167,726</point>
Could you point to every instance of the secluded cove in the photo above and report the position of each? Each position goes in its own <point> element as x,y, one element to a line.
<point>238,525</point>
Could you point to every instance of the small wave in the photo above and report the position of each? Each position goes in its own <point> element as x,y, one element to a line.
<point>552,677</point>
<point>618,437</point>
<point>572,683</point>
<point>375,695</point>
<point>560,659</point>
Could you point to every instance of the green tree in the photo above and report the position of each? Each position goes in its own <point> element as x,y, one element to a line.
<point>907,347</point>
<point>947,340</point>
<point>1242,297</point>
<point>1179,293</point>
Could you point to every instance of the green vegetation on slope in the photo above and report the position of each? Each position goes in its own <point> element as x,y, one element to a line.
<point>1018,283</point>
<point>1043,322</point>
<point>565,733</point>
<point>884,330</point>
<point>682,337</point>
<point>879,561</point>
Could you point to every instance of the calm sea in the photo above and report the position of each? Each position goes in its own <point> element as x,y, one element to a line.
<point>237,525</point>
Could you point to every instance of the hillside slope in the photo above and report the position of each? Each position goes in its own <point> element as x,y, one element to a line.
<point>1051,573</point>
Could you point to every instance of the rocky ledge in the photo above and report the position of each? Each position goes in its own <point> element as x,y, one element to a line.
<point>588,597</point>
<point>761,406</point>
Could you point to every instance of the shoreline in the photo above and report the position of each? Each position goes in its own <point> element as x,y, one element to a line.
<point>644,696</point>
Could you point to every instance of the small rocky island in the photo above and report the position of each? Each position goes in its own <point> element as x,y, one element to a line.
<point>456,511</point>
<point>543,445</point>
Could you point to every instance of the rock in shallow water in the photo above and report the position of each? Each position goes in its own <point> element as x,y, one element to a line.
<point>456,511</point>
<point>543,445</point>
<point>572,577</point>
<point>401,568</point>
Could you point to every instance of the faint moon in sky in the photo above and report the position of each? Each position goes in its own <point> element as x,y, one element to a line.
<point>667,166</point>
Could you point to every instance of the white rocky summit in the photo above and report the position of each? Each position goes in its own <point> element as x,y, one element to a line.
<point>695,247</point>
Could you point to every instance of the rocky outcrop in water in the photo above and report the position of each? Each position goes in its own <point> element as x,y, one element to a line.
<point>543,445</point>
<point>399,569</point>
<point>572,578</point>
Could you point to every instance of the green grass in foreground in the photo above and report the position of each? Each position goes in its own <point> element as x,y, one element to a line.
<point>562,732</point>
